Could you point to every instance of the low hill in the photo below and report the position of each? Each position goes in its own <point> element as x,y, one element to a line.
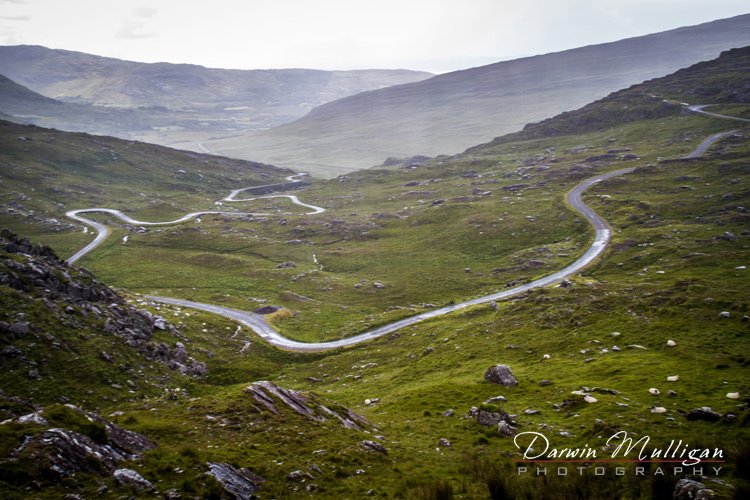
<point>453,111</point>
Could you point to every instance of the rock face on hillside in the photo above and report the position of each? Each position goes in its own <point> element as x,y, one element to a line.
<point>272,397</point>
<point>56,453</point>
<point>241,483</point>
<point>61,296</point>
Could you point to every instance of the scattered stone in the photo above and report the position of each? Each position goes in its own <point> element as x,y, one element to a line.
<point>449,413</point>
<point>299,476</point>
<point>239,482</point>
<point>496,399</point>
<point>529,411</point>
<point>444,443</point>
<point>546,356</point>
<point>671,343</point>
<point>658,409</point>
<point>500,374</point>
<point>590,399</point>
<point>673,378</point>
<point>545,383</point>
<point>654,391</point>
<point>129,477</point>
<point>286,265</point>
<point>733,395</point>
<point>725,314</point>
<point>373,446</point>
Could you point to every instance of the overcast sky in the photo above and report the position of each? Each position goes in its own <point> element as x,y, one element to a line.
<point>431,35</point>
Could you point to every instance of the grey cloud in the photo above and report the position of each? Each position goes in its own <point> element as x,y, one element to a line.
<point>133,29</point>
<point>145,12</point>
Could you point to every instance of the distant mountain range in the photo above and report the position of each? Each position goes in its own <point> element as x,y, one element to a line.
<point>183,97</point>
<point>333,122</point>
<point>451,112</point>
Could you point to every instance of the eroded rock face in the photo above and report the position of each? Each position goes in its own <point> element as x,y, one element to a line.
<point>58,453</point>
<point>241,483</point>
<point>270,396</point>
<point>500,374</point>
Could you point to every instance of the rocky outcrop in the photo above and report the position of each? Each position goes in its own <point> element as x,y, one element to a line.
<point>272,397</point>
<point>78,301</point>
<point>687,489</point>
<point>500,374</point>
<point>58,453</point>
<point>374,446</point>
<point>491,416</point>
<point>241,483</point>
<point>129,477</point>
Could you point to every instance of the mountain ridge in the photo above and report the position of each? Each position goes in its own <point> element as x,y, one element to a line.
<point>450,112</point>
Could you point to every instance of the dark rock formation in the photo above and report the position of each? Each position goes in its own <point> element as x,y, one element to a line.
<point>705,413</point>
<point>687,489</point>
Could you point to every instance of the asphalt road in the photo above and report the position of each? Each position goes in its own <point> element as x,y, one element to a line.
<point>257,323</point>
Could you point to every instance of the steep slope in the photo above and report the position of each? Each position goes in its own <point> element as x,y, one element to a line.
<point>451,112</point>
<point>723,80</point>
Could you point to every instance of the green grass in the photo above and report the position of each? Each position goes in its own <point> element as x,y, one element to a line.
<point>668,274</point>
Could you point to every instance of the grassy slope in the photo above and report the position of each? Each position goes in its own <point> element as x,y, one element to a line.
<point>666,276</point>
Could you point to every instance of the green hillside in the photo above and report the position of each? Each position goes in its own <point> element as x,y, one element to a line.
<point>642,341</point>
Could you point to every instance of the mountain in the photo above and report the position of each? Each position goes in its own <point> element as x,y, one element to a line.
<point>720,81</point>
<point>185,96</point>
<point>451,112</point>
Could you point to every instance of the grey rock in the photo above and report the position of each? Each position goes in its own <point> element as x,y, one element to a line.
<point>270,395</point>
<point>373,446</point>
<point>500,374</point>
<point>687,489</point>
<point>443,443</point>
<point>19,329</point>
<point>298,475</point>
<point>241,483</point>
<point>496,399</point>
<point>129,477</point>
<point>505,429</point>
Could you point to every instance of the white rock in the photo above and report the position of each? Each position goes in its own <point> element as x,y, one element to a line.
<point>733,395</point>
<point>725,314</point>
<point>671,343</point>
<point>658,409</point>
<point>654,391</point>
<point>615,334</point>
<point>590,399</point>
<point>546,356</point>
<point>673,378</point>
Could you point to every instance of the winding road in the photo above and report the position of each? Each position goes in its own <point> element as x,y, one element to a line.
<point>257,323</point>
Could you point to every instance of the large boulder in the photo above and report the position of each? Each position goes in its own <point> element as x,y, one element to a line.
<point>500,374</point>
<point>241,483</point>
